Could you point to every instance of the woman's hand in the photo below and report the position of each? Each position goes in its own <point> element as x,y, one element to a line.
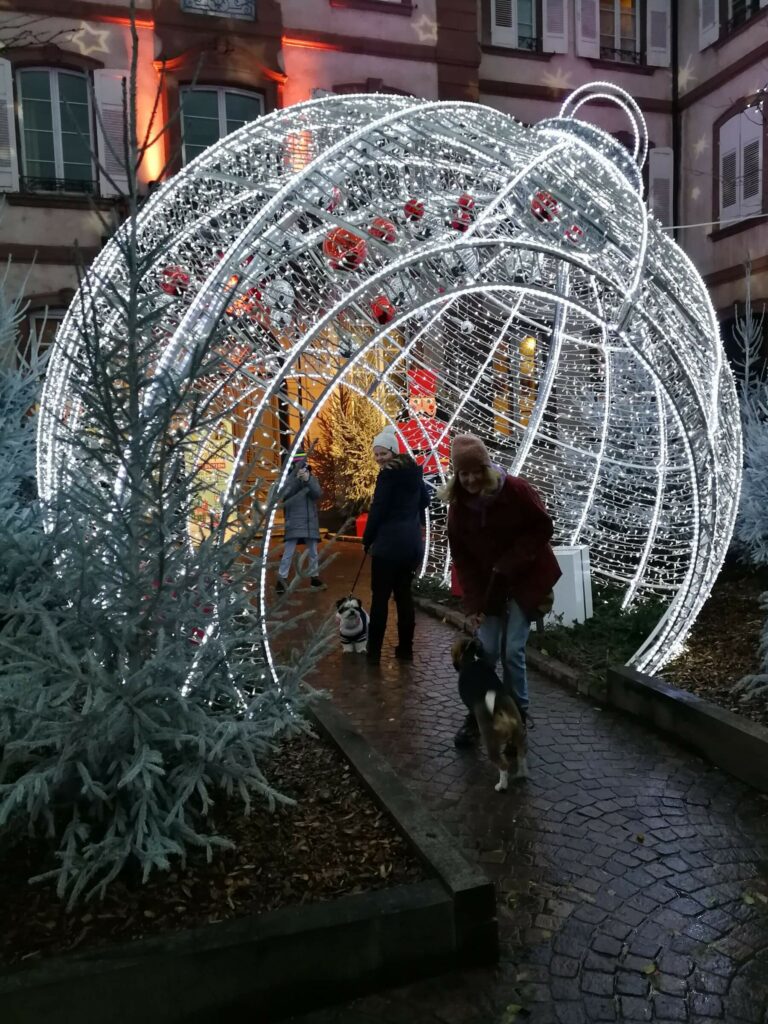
<point>474,621</point>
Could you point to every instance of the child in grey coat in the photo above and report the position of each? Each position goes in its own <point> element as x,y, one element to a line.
<point>300,496</point>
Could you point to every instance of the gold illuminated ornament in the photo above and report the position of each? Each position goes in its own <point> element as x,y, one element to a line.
<point>519,264</point>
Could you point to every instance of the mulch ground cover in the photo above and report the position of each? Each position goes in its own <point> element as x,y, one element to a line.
<point>335,841</point>
<point>723,645</point>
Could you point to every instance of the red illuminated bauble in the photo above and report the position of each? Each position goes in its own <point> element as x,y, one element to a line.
<point>414,209</point>
<point>544,206</point>
<point>344,249</point>
<point>461,220</point>
<point>466,201</point>
<point>574,234</point>
<point>174,280</point>
<point>383,310</point>
<point>383,229</point>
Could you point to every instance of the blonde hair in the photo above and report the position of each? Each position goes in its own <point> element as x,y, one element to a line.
<point>451,489</point>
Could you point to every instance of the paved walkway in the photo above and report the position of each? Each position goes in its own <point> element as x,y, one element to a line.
<point>632,877</point>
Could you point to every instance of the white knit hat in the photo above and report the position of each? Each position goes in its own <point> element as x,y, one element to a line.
<point>387,439</point>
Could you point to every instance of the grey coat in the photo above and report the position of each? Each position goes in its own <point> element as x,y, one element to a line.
<point>300,500</point>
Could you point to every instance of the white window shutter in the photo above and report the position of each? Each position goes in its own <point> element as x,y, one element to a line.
<point>504,22</point>
<point>709,22</point>
<point>9,161</point>
<point>660,182</point>
<point>764,3</point>
<point>555,27</point>
<point>729,169</point>
<point>110,88</point>
<point>587,28</point>
<point>751,161</point>
<point>658,30</point>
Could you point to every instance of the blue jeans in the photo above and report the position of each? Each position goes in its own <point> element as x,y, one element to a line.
<point>290,548</point>
<point>490,633</point>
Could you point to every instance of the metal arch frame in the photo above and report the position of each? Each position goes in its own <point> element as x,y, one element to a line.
<point>703,380</point>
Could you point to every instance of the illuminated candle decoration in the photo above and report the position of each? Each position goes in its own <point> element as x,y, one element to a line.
<point>519,265</point>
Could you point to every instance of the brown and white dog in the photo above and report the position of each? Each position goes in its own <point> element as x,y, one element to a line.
<point>496,713</point>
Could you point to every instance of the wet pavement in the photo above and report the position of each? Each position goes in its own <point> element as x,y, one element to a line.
<point>632,878</point>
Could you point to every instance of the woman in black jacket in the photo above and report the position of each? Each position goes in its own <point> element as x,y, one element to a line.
<point>393,537</point>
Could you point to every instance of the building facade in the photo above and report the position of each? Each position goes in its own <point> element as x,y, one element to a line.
<point>206,66</point>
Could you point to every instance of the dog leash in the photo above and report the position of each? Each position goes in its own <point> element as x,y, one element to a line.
<point>365,555</point>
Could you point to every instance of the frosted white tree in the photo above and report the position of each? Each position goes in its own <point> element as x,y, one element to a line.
<point>751,530</point>
<point>134,684</point>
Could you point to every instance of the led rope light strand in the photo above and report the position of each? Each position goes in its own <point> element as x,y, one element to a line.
<point>461,229</point>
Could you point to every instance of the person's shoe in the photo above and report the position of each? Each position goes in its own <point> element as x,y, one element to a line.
<point>280,586</point>
<point>404,653</point>
<point>317,583</point>
<point>468,734</point>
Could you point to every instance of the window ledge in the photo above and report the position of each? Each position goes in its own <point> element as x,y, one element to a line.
<point>737,228</point>
<point>379,6</point>
<point>723,40</point>
<point>511,51</point>
<point>59,202</point>
<point>621,65</point>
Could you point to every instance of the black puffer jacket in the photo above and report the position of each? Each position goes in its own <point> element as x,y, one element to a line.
<point>393,531</point>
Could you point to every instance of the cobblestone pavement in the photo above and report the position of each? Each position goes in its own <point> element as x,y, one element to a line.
<point>632,877</point>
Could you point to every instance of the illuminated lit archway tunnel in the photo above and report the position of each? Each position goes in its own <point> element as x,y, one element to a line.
<point>513,274</point>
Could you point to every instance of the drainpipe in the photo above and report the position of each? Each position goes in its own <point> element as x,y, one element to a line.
<point>676,132</point>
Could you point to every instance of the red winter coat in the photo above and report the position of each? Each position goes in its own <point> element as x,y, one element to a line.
<point>510,534</point>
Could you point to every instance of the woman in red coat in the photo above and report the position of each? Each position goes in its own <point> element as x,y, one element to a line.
<point>499,533</point>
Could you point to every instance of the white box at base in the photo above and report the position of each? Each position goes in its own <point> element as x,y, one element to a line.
<point>573,591</point>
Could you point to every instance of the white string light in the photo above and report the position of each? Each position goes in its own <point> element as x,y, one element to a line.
<point>386,234</point>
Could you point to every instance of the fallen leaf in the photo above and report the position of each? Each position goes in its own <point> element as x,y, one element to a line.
<point>511,1013</point>
<point>650,969</point>
<point>748,899</point>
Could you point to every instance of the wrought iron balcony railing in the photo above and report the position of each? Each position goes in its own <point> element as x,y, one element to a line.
<point>243,9</point>
<point>623,56</point>
<point>61,186</point>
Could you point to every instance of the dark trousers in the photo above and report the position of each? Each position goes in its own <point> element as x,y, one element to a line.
<point>387,579</point>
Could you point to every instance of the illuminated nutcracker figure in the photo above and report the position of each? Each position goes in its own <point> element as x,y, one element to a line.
<point>424,436</point>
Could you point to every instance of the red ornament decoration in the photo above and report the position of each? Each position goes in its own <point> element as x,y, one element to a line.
<point>575,235</point>
<point>466,201</point>
<point>344,249</point>
<point>383,310</point>
<point>383,229</point>
<point>461,219</point>
<point>174,280</point>
<point>544,206</point>
<point>414,209</point>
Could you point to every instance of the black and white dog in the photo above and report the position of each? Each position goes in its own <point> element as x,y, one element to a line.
<point>353,625</point>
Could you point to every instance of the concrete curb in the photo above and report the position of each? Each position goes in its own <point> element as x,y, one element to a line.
<point>733,743</point>
<point>285,961</point>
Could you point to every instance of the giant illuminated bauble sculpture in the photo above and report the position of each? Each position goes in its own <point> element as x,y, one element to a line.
<point>349,240</point>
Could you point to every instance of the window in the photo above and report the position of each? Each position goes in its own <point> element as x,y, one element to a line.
<point>740,11</point>
<point>721,17</point>
<point>43,325</point>
<point>619,36</point>
<point>741,162</point>
<point>55,131</point>
<point>210,114</point>
<point>243,9</point>
<point>513,24</point>
<point>628,31</point>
